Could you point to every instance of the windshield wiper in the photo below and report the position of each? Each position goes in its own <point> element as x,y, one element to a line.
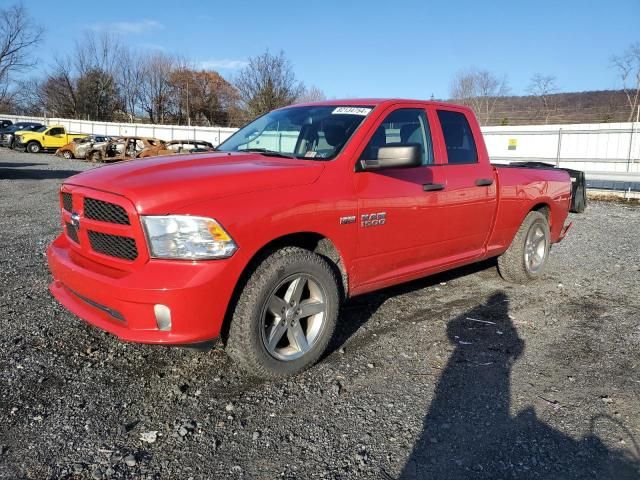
<point>266,151</point>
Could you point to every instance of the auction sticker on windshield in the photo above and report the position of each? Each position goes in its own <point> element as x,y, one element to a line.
<point>351,111</point>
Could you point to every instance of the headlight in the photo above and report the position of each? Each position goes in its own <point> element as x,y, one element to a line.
<point>186,237</point>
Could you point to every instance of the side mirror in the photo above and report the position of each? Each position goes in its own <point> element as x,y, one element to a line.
<point>401,156</point>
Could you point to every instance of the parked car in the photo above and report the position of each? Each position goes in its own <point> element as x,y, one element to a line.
<point>124,148</point>
<point>80,147</point>
<point>5,124</point>
<point>302,208</point>
<point>178,146</point>
<point>8,134</point>
<point>51,138</point>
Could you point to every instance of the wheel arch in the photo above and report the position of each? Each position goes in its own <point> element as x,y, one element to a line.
<point>311,241</point>
<point>29,142</point>
<point>545,209</point>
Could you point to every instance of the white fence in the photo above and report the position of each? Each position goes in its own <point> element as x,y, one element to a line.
<point>605,151</point>
<point>214,135</point>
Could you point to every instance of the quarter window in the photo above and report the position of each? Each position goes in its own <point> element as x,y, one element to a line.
<point>457,137</point>
<point>405,126</point>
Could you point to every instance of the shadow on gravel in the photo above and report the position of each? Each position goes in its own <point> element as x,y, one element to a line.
<point>34,174</point>
<point>468,432</point>
<point>20,164</point>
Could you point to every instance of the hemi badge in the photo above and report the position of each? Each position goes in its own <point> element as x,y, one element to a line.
<point>347,220</point>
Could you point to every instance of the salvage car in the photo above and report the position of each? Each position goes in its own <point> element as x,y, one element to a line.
<point>125,148</point>
<point>80,147</point>
<point>260,241</point>
<point>178,146</point>
<point>49,138</point>
<point>190,146</point>
<point>8,134</point>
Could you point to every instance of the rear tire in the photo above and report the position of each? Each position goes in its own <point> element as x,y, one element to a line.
<point>580,201</point>
<point>67,154</point>
<point>526,257</point>
<point>285,315</point>
<point>34,147</point>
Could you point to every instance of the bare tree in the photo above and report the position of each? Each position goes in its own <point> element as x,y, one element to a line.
<point>268,82</point>
<point>479,89</point>
<point>98,95</point>
<point>311,94</point>
<point>60,91</point>
<point>627,66</point>
<point>82,84</point>
<point>129,77</point>
<point>543,87</point>
<point>96,60</point>
<point>98,52</point>
<point>18,35</point>
<point>156,88</point>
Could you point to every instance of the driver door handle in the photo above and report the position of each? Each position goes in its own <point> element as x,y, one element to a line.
<point>484,182</point>
<point>432,187</point>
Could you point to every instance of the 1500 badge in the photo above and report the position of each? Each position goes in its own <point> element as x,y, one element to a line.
<point>373,219</point>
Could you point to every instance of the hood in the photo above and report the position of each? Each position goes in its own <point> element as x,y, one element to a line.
<point>158,185</point>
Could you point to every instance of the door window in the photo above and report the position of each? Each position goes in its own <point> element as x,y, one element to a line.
<point>458,137</point>
<point>405,126</point>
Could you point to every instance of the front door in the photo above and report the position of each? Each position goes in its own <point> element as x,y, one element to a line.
<point>398,219</point>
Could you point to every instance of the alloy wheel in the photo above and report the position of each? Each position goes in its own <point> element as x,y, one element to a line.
<point>535,250</point>
<point>293,317</point>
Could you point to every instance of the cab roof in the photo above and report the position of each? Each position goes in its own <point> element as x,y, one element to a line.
<point>373,102</point>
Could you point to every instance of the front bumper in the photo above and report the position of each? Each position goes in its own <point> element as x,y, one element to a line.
<point>122,302</point>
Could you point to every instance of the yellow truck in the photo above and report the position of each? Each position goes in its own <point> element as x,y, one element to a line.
<point>51,138</point>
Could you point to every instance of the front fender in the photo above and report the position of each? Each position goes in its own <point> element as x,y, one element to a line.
<point>257,219</point>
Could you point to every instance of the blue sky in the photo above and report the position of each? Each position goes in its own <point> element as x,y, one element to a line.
<point>406,48</point>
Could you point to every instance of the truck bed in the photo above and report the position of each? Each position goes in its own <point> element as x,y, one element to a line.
<point>578,182</point>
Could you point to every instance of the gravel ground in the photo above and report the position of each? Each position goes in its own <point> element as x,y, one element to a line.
<point>457,376</point>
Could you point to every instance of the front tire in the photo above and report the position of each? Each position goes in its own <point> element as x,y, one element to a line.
<point>67,154</point>
<point>34,147</point>
<point>526,257</point>
<point>285,315</point>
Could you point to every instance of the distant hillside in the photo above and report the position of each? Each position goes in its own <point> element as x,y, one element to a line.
<point>604,106</point>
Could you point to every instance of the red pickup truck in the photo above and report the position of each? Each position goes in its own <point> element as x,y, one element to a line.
<point>260,241</point>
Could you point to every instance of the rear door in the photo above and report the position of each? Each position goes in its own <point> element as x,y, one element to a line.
<point>469,193</point>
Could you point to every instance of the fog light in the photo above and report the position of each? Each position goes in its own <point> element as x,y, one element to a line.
<point>163,316</point>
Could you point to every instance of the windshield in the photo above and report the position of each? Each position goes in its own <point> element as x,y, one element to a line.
<point>313,132</point>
